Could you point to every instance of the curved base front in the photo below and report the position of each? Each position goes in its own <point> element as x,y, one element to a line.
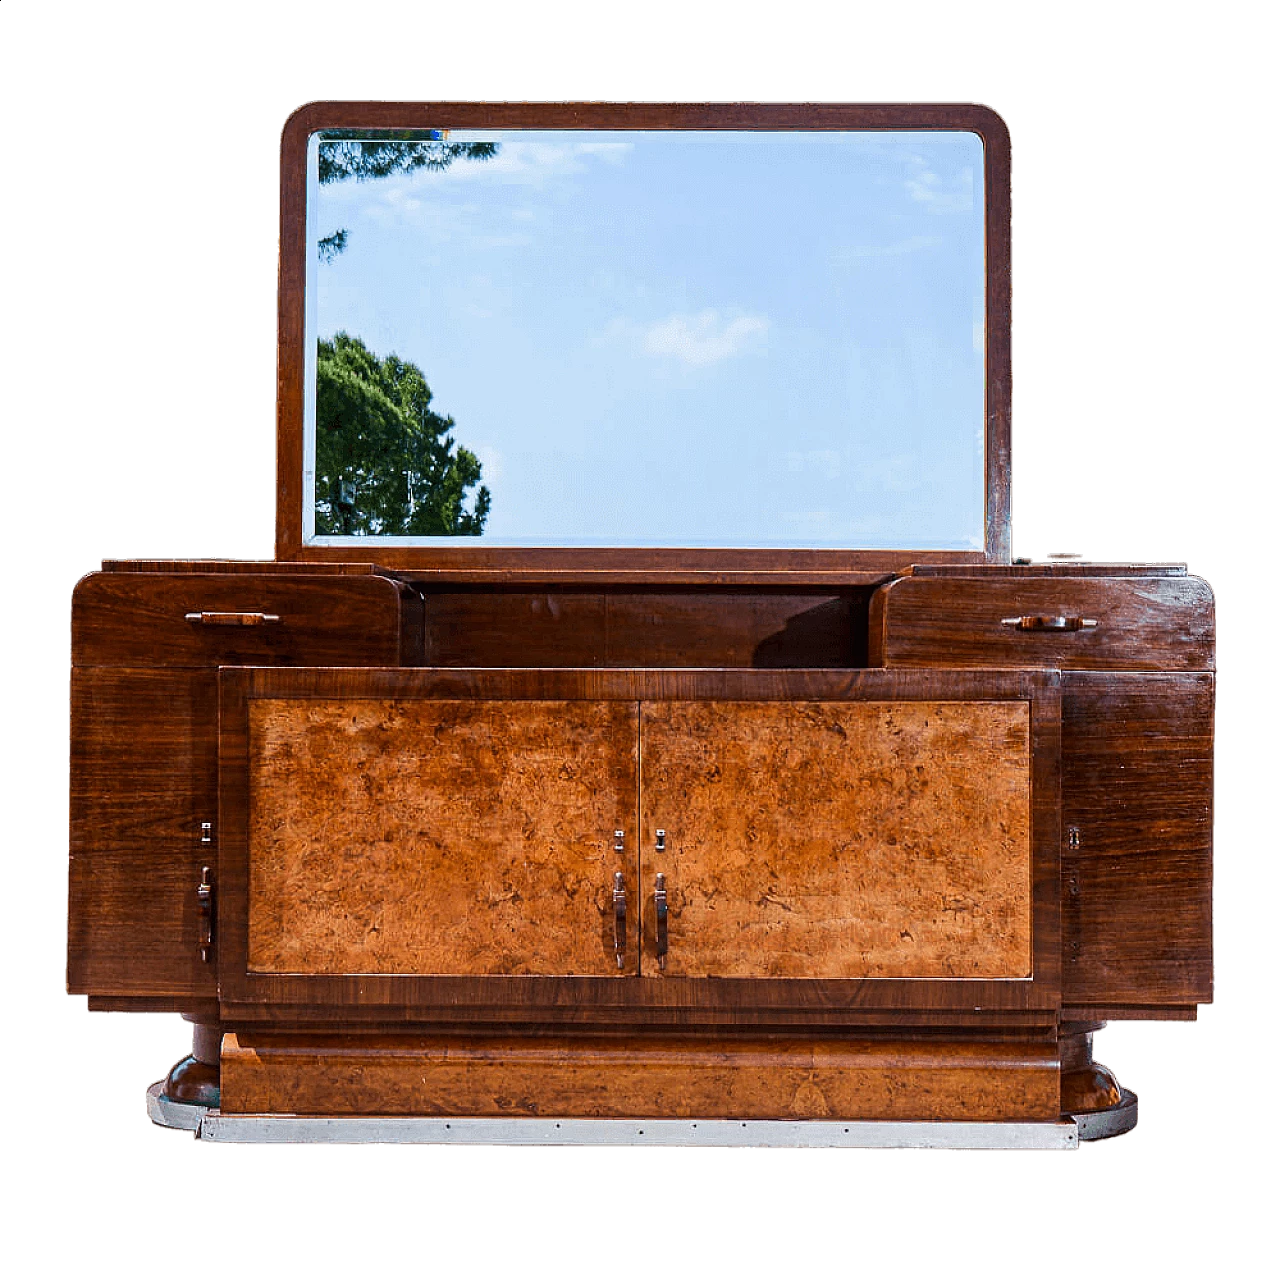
<point>173,1115</point>
<point>1091,1094</point>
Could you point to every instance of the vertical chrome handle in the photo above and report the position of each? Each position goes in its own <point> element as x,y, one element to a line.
<point>660,918</point>
<point>619,917</point>
<point>204,910</point>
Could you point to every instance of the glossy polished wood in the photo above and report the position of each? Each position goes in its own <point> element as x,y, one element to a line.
<point>144,769</point>
<point>778,1077</point>
<point>1138,883</point>
<point>291,362</point>
<point>441,836</point>
<point>1137,759</point>
<point>1142,624</point>
<point>248,995</point>
<point>146,620</point>
<point>144,748</point>
<point>711,627</point>
<point>838,840</point>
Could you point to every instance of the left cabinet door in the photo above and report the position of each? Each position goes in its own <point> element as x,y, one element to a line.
<point>423,836</point>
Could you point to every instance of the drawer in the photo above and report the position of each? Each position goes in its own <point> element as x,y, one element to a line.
<point>209,620</point>
<point>1092,624</point>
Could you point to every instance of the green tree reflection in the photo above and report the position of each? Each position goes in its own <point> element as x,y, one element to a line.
<point>386,463</point>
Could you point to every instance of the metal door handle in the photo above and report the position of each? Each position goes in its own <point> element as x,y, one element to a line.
<point>204,911</point>
<point>660,918</point>
<point>1049,622</point>
<point>619,917</point>
<point>233,619</point>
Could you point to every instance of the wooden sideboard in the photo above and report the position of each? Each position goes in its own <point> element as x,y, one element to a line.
<point>883,844</point>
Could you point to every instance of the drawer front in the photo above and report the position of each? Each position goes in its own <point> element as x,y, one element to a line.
<point>209,620</point>
<point>1098,624</point>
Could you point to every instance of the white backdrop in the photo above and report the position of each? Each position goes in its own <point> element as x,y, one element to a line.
<point>138,222</point>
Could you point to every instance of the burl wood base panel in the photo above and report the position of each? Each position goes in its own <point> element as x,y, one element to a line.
<point>757,1079</point>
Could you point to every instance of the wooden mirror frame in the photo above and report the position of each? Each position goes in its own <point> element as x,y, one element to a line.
<point>670,564</point>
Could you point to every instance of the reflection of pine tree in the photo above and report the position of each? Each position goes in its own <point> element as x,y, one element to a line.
<point>364,154</point>
<point>385,462</point>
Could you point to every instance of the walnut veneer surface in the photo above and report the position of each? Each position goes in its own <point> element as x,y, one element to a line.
<point>807,840</point>
<point>760,1078</point>
<point>439,836</point>
<point>836,839</point>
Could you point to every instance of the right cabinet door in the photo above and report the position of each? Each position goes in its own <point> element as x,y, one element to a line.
<point>836,839</point>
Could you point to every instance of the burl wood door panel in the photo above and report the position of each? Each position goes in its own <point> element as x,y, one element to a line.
<point>838,839</point>
<point>439,836</point>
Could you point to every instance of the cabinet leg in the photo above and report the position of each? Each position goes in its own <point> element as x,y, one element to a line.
<point>194,1080</point>
<point>1089,1088</point>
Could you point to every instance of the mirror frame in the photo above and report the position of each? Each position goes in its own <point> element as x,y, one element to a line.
<point>666,564</point>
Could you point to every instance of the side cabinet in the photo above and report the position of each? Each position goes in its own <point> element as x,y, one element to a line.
<point>146,647</point>
<point>1137,660</point>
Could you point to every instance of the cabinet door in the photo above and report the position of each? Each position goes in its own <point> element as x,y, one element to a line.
<point>146,646</point>
<point>435,836</point>
<point>832,839</point>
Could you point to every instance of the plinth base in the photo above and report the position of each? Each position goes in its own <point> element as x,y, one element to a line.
<point>1070,1133</point>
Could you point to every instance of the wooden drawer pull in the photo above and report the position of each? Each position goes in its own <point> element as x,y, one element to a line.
<point>233,619</point>
<point>1049,622</point>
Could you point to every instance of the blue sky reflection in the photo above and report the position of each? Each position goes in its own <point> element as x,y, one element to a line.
<point>689,339</point>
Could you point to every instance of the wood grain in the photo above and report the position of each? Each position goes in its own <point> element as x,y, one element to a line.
<point>139,619</point>
<point>1152,624</point>
<point>839,840</point>
<point>699,628</point>
<point>440,837</point>
<point>144,774</point>
<point>695,1078</point>
<point>1138,790</point>
<point>672,1000</point>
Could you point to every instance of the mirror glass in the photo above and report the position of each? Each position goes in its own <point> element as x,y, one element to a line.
<point>645,339</point>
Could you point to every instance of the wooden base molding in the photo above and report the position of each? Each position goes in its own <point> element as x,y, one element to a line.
<point>597,1077</point>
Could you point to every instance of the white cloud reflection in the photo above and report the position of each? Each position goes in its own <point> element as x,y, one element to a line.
<point>697,339</point>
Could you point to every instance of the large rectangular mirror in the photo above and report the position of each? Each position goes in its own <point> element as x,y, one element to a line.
<point>688,337</point>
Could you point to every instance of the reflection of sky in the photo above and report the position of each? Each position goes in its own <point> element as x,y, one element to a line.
<point>689,339</point>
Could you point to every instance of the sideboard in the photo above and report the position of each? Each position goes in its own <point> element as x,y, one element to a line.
<point>882,849</point>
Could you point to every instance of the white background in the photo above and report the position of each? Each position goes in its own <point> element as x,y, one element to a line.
<point>138,220</point>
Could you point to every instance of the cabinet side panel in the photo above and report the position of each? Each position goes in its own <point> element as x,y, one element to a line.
<point>1137,860</point>
<point>143,778</point>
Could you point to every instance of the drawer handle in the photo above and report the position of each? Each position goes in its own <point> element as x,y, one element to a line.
<point>233,619</point>
<point>1049,622</point>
